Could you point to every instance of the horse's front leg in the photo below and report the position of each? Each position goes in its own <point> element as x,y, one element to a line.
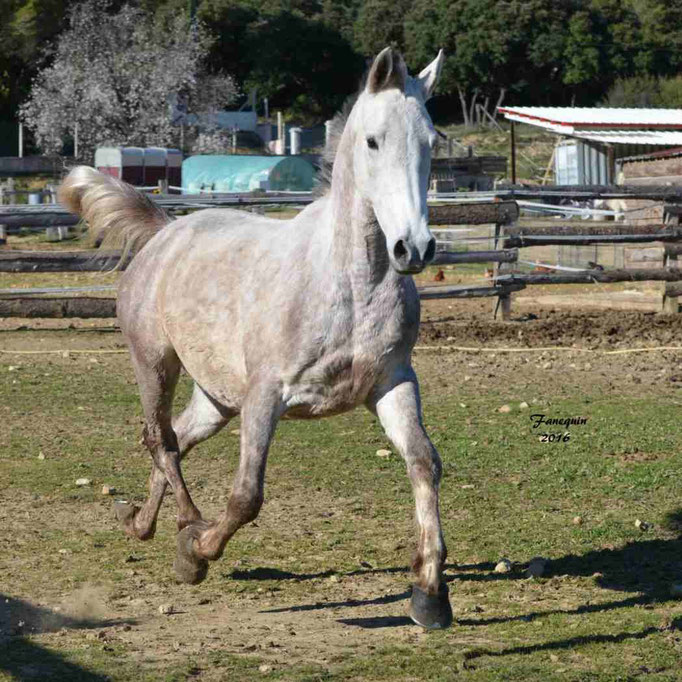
<point>398,407</point>
<point>201,541</point>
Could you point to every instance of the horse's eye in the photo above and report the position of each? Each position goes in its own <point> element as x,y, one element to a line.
<point>372,143</point>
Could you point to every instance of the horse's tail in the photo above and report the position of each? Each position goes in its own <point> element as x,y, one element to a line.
<point>118,216</point>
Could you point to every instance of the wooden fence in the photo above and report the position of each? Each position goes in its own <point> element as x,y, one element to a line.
<point>509,237</point>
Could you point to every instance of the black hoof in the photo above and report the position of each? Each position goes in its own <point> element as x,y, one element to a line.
<point>188,567</point>
<point>431,611</point>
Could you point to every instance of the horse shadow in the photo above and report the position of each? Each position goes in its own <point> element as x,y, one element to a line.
<point>644,570</point>
<point>23,659</point>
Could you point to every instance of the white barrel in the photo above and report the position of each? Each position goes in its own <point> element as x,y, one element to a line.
<point>295,141</point>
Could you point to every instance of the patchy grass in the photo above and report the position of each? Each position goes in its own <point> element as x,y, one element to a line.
<point>315,589</point>
<point>533,148</point>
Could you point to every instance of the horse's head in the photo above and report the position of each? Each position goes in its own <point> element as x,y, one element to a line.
<point>392,156</point>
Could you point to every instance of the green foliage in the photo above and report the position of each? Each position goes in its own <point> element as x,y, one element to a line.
<point>379,24</point>
<point>638,91</point>
<point>646,91</point>
<point>306,56</point>
<point>311,80</point>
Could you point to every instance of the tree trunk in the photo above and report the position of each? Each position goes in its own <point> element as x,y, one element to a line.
<point>473,106</point>
<point>465,111</point>
<point>503,92</point>
<point>484,111</point>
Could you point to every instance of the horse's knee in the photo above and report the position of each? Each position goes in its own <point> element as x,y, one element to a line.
<point>156,439</point>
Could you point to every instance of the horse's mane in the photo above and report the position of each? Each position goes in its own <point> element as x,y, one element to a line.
<point>336,128</point>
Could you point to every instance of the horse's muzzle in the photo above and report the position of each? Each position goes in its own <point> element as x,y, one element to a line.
<point>408,259</point>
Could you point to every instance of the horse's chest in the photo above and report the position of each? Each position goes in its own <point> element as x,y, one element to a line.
<point>348,366</point>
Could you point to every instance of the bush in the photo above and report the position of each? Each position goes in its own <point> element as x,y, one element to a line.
<point>646,91</point>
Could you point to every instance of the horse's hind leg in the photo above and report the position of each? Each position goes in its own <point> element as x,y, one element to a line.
<point>200,542</point>
<point>202,418</point>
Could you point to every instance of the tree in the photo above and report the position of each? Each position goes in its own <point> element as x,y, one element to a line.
<point>661,22</point>
<point>379,24</point>
<point>120,76</point>
<point>293,57</point>
<point>26,25</point>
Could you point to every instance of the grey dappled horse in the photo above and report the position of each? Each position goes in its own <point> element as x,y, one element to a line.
<point>302,318</point>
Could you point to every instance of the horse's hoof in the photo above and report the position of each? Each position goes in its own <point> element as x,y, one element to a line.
<point>189,568</point>
<point>431,611</point>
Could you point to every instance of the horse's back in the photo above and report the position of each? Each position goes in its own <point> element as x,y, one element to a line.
<point>220,287</point>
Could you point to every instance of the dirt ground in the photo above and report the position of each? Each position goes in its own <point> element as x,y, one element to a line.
<point>298,617</point>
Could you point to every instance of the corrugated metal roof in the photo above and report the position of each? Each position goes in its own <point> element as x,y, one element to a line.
<point>653,156</point>
<point>595,117</point>
<point>648,137</point>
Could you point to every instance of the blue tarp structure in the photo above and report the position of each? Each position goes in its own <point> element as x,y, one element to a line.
<point>245,173</point>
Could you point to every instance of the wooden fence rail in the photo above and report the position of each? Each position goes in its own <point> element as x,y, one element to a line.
<point>601,276</point>
<point>518,236</point>
<point>92,307</point>
<point>96,261</point>
<point>81,306</point>
<point>463,213</point>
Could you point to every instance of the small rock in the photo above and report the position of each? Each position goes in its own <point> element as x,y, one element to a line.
<point>524,405</point>
<point>467,377</point>
<point>577,520</point>
<point>468,486</point>
<point>554,658</point>
<point>83,482</point>
<point>41,455</point>
<point>383,453</point>
<point>265,668</point>
<point>235,432</point>
<point>676,589</point>
<point>536,567</point>
<point>504,409</point>
<point>462,405</point>
<point>166,609</point>
<point>642,525</point>
<point>108,490</point>
<point>66,354</point>
<point>13,368</point>
<point>547,365</point>
<point>63,551</point>
<point>334,578</point>
<point>366,564</point>
<point>503,566</point>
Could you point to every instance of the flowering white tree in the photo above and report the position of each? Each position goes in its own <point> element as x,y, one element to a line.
<point>124,78</point>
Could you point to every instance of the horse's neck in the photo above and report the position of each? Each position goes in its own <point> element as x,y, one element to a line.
<point>358,250</point>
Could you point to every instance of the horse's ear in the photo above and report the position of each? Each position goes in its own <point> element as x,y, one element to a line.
<point>388,71</point>
<point>429,76</point>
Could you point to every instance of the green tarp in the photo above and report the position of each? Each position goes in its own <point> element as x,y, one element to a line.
<point>235,173</point>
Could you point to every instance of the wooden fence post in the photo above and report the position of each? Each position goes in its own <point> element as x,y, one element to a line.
<point>503,302</point>
<point>670,303</point>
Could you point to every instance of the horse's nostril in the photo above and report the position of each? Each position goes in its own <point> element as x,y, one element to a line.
<point>430,250</point>
<point>400,250</point>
